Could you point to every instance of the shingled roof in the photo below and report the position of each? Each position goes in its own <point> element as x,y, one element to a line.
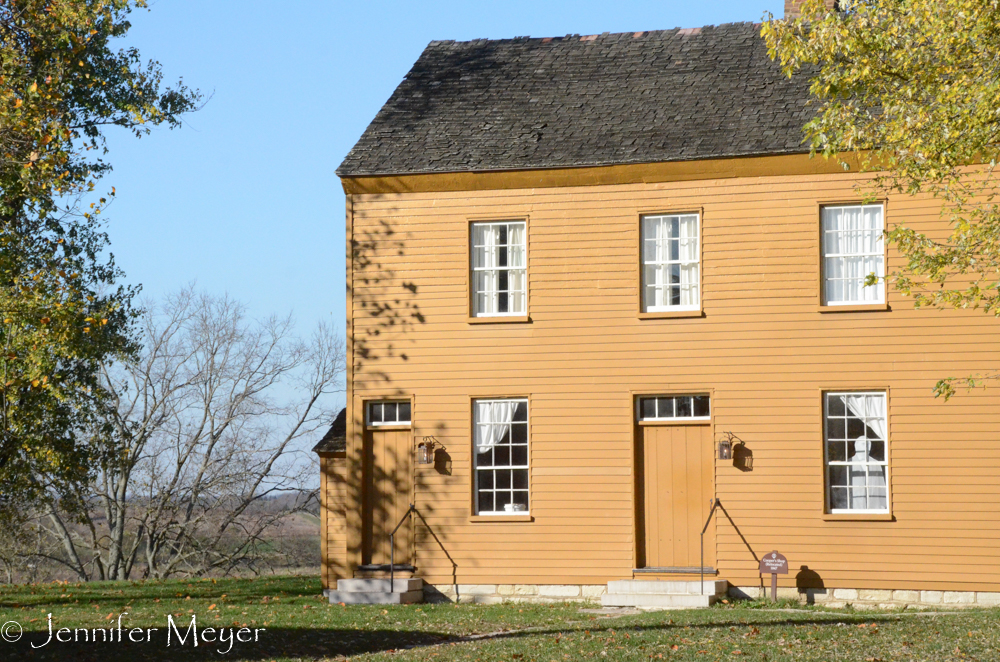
<point>643,97</point>
<point>335,439</point>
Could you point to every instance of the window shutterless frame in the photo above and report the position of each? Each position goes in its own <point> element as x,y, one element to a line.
<point>674,408</point>
<point>388,413</point>
<point>854,449</point>
<point>501,475</point>
<point>497,254</point>
<point>831,264</point>
<point>644,266</point>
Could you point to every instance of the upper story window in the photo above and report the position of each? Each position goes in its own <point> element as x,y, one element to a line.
<point>388,412</point>
<point>501,456</point>
<point>675,407</point>
<point>499,262</point>
<point>856,462</point>
<point>671,274</point>
<point>852,249</point>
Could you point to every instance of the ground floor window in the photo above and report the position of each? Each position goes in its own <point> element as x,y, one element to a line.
<point>501,456</point>
<point>856,436</point>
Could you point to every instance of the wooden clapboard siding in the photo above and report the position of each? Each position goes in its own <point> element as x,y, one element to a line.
<point>763,349</point>
<point>333,490</point>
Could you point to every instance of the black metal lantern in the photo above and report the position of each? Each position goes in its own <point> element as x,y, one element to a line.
<point>425,452</point>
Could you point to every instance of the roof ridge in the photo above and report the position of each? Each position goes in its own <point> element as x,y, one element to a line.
<point>636,34</point>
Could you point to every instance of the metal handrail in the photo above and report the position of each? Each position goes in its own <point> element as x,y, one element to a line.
<point>392,548</point>
<point>717,503</point>
<point>701,567</point>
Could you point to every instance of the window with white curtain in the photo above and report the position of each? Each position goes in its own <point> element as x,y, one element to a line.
<point>499,259</point>
<point>501,456</point>
<point>853,247</point>
<point>670,263</point>
<point>856,452</point>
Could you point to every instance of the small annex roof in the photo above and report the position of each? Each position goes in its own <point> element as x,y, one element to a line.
<point>527,103</point>
<point>335,440</point>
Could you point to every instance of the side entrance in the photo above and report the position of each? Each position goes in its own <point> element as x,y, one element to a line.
<point>386,494</point>
<point>675,477</point>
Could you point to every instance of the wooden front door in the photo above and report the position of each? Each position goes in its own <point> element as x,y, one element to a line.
<point>388,489</point>
<point>675,491</point>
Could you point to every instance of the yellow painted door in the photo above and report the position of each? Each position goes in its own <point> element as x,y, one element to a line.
<point>388,488</point>
<point>676,493</point>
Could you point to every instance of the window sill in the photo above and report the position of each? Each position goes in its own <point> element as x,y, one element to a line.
<point>854,308</point>
<point>671,314</point>
<point>859,517</point>
<point>501,518</point>
<point>499,319</point>
<point>391,428</point>
<point>677,421</point>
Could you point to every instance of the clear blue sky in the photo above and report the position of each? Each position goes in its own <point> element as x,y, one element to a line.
<point>244,198</point>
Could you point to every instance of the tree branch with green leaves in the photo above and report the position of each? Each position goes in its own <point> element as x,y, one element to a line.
<point>62,315</point>
<point>911,90</point>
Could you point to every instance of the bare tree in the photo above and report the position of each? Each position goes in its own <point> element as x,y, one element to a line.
<point>204,428</point>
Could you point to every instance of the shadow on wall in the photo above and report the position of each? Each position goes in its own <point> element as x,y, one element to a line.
<point>809,583</point>
<point>742,457</point>
<point>386,316</point>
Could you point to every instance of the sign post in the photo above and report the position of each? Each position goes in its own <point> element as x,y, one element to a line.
<point>775,564</point>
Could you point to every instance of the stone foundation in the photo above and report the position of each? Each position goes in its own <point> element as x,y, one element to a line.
<point>832,597</point>
<point>496,593</point>
<point>872,598</point>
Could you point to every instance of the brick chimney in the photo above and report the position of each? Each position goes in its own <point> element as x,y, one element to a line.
<point>792,7</point>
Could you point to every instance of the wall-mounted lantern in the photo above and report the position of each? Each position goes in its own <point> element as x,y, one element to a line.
<point>725,450</point>
<point>726,446</point>
<point>425,451</point>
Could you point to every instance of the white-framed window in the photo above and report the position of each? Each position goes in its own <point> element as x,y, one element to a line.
<point>501,456</point>
<point>388,412</point>
<point>674,407</point>
<point>671,273</point>
<point>853,247</point>
<point>856,460</point>
<point>499,269</point>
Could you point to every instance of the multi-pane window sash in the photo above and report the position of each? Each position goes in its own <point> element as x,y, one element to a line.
<point>670,263</point>
<point>388,413</point>
<point>499,269</point>
<point>674,407</point>
<point>853,248</point>
<point>502,471</point>
<point>855,440</point>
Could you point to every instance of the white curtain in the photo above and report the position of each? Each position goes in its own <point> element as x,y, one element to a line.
<point>492,423</point>
<point>689,255</point>
<point>867,478</point>
<point>680,232</point>
<point>516,263</point>
<point>489,276</point>
<point>853,235</point>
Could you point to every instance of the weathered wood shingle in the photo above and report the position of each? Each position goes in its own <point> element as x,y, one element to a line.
<point>335,439</point>
<point>525,103</point>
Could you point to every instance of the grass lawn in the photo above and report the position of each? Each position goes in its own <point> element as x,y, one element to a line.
<point>291,621</point>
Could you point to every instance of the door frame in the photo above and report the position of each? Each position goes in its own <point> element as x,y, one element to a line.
<point>638,517</point>
<point>363,496</point>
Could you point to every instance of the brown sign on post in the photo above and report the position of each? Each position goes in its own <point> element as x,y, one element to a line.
<point>775,564</point>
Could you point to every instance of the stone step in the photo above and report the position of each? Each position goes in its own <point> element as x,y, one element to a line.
<point>716,587</point>
<point>399,585</point>
<point>657,600</point>
<point>375,598</point>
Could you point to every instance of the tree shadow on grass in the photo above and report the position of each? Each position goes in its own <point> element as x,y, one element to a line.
<point>272,643</point>
<point>313,643</point>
